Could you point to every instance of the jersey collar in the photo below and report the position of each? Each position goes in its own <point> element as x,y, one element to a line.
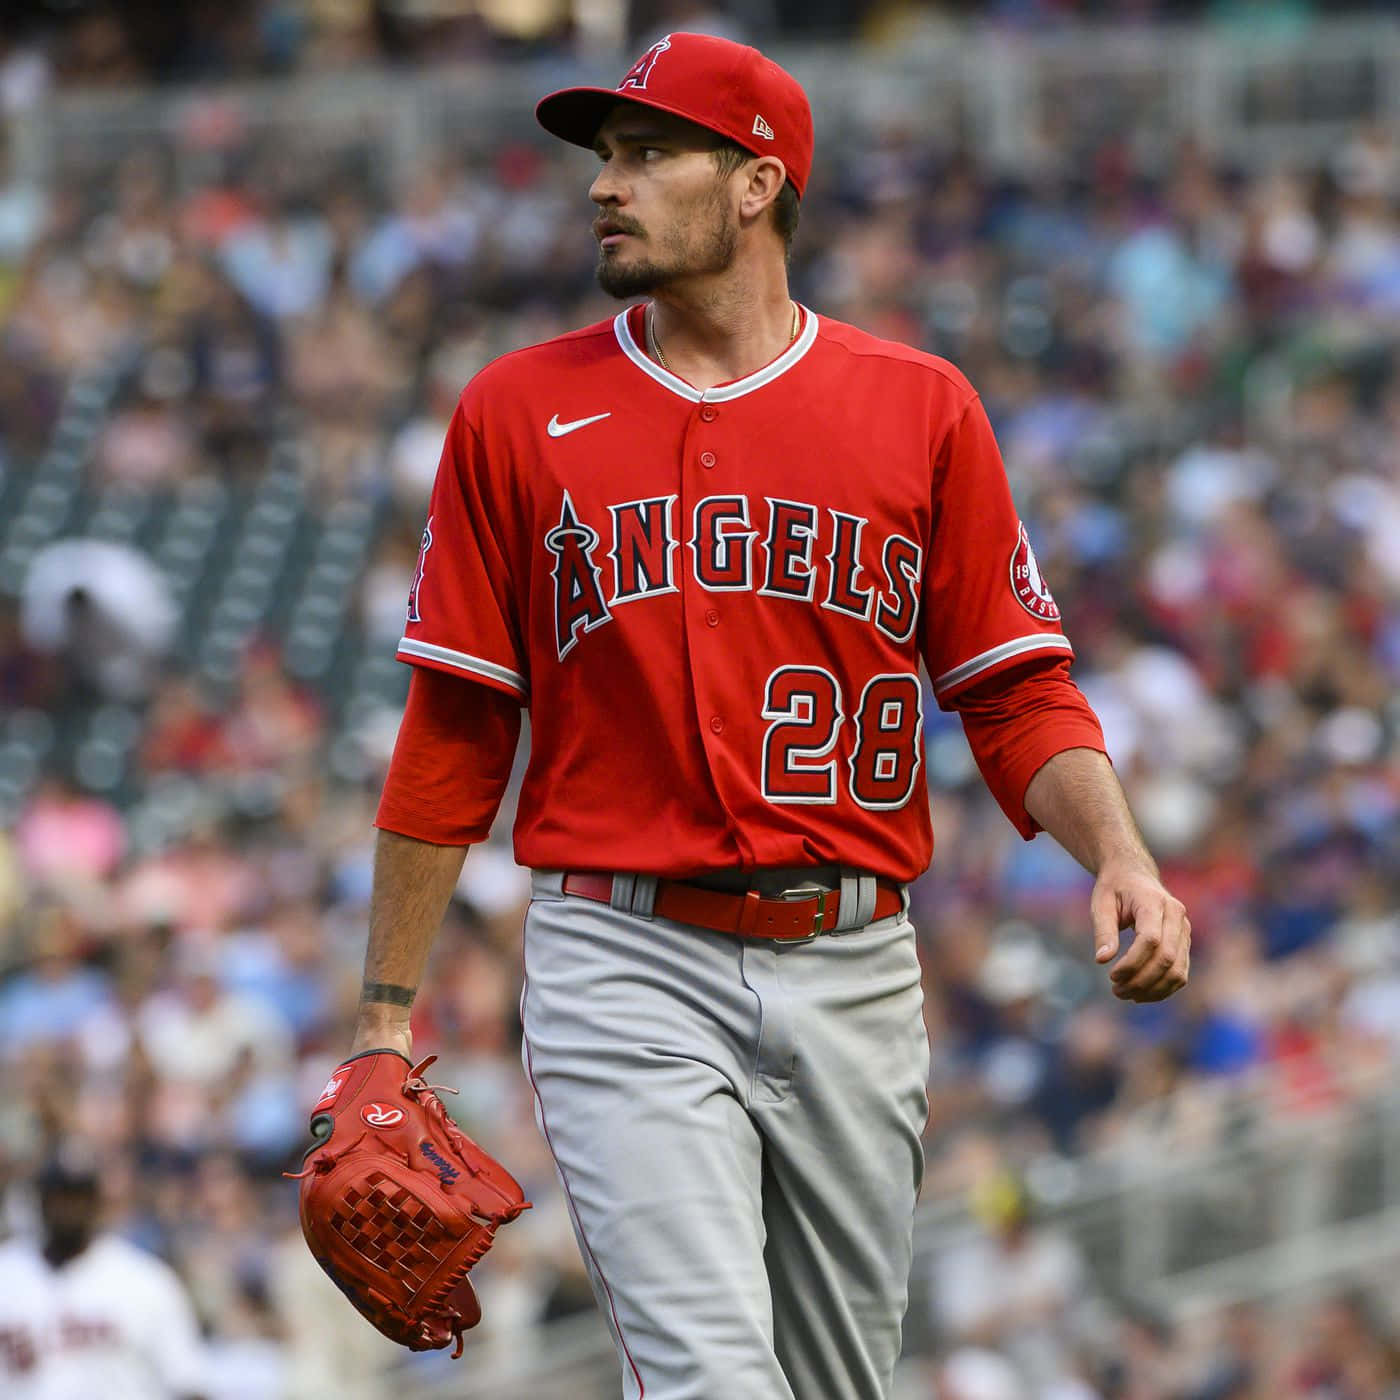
<point>721,393</point>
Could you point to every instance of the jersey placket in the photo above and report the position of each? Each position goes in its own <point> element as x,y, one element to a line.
<point>705,472</point>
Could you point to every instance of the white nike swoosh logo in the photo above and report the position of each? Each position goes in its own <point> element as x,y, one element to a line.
<point>557,429</point>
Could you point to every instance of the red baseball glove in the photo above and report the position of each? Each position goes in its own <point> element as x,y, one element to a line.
<point>397,1203</point>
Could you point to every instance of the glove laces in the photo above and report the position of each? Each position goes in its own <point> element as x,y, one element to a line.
<point>416,1084</point>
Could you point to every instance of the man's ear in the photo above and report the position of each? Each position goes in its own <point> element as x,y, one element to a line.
<point>767,176</point>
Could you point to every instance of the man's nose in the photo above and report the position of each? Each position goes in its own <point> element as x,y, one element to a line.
<point>607,188</point>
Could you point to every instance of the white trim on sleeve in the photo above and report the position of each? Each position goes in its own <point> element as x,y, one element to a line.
<point>1018,646</point>
<point>461,661</point>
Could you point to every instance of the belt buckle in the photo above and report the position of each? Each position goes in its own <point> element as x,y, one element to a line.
<point>823,896</point>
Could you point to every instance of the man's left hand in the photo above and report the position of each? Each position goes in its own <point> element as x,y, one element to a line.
<point>1159,960</point>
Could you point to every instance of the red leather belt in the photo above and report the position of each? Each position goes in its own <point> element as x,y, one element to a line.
<point>750,914</point>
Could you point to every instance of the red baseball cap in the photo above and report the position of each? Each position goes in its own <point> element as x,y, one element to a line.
<point>716,83</point>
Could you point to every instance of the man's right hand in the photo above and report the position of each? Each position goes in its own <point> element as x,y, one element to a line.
<point>397,1203</point>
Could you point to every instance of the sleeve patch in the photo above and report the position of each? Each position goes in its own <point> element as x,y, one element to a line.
<point>413,613</point>
<point>1028,584</point>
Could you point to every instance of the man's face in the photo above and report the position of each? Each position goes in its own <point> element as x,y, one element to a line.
<point>666,213</point>
<point>69,1212</point>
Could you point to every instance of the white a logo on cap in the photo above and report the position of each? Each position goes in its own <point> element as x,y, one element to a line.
<point>761,128</point>
<point>640,71</point>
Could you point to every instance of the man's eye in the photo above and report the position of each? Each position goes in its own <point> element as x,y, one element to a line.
<point>647,152</point>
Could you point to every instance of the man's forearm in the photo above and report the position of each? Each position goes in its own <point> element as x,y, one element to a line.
<point>413,881</point>
<point>1077,798</point>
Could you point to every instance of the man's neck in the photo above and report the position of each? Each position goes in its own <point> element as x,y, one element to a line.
<point>718,335</point>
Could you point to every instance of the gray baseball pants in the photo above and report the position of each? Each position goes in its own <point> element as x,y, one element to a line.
<point>736,1125</point>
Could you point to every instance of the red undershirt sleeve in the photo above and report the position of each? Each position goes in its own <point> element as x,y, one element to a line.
<point>452,760</point>
<point>1019,719</point>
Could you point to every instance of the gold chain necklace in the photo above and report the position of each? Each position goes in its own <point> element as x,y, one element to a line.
<point>661,359</point>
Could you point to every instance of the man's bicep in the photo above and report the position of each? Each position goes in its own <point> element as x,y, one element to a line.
<point>463,605</point>
<point>986,606</point>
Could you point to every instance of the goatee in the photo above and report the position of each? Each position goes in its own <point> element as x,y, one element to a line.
<point>716,254</point>
<point>621,280</point>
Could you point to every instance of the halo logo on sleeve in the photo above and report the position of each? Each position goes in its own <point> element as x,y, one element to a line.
<point>382,1115</point>
<point>640,71</point>
<point>413,614</point>
<point>1028,584</point>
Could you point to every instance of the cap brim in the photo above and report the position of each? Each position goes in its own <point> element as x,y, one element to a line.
<point>575,114</point>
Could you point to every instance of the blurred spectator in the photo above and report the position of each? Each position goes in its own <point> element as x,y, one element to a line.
<point>248,1360</point>
<point>416,447</point>
<point>974,1373</point>
<point>68,839</point>
<point>440,222</point>
<point>25,70</point>
<point>105,609</point>
<point>136,238</point>
<point>1017,1287</point>
<point>184,731</point>
<point>22,208</point>
<point>1348,1352</point>
<point>1083,1078</point>
<point>273,724</point>
<point>151,442</point>
<point>346,373</point>
<point>237,356</point>
<point>281,262</point>
<point>56,993</point>
<point>83,1312</point>
<point>1147,1360</point>
<point>327,1345</point>
<point>1242,1365</point>
<point>201,1035</point>
<point>202,882</point>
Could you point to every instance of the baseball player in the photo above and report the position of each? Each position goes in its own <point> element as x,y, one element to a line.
<point>83,1313</point>
<point>709,543</point>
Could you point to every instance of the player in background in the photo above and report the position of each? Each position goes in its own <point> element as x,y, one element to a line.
<point>84,1315</point>
<point>710,544</point>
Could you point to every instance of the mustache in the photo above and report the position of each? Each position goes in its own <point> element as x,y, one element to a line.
<point>611,223</point>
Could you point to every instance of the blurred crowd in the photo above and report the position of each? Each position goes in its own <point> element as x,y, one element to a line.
<point>1192,372</point>
<point>116,43</point>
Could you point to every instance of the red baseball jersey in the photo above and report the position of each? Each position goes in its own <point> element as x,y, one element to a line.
<point>715,603</point>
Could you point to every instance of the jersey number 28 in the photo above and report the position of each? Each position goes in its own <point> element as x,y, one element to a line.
<point>804,704</point>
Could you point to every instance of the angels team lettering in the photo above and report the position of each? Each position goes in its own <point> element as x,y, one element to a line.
<point>732,544</point>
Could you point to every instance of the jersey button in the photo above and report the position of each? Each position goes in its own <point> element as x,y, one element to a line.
<point>709,413</point>
<point>716,724</point>
<point>712,617</point>
<point>707,459</point>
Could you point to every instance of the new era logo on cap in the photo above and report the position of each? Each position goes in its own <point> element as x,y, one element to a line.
<point>761,128</point>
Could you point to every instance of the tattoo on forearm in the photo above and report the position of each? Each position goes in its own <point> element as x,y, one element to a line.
<point>387,992</point>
